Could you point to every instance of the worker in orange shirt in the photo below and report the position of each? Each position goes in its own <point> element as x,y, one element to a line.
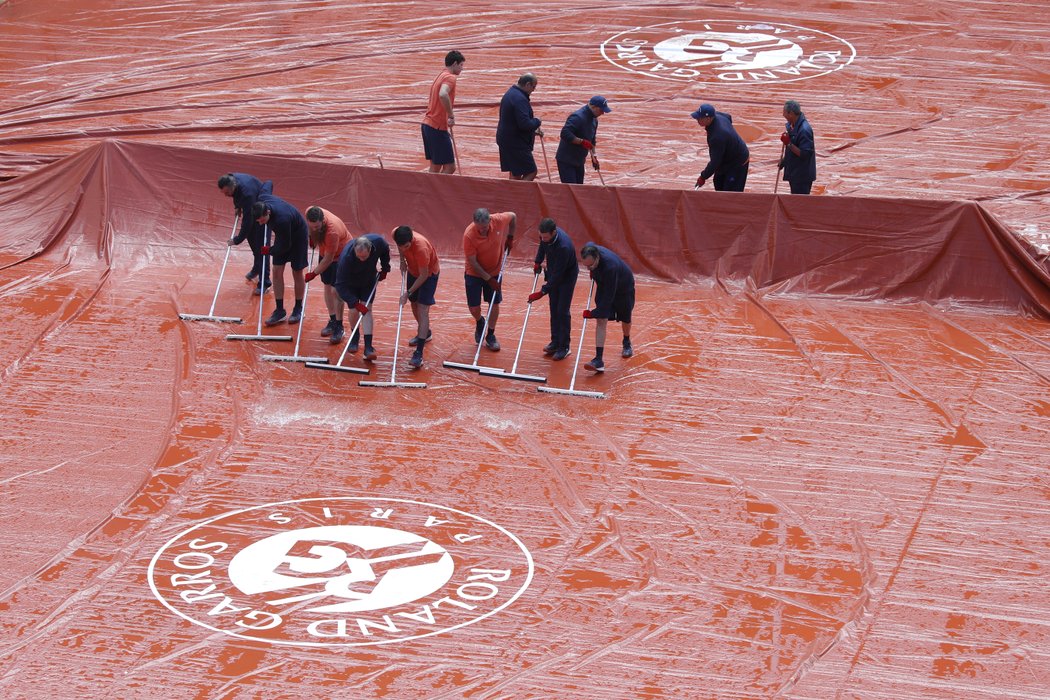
<point>420,261</point>
<point>484,242</point>
<point>329,235</point>
<point>439,119</point>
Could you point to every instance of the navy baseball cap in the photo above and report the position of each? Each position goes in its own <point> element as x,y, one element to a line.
<point>599,101</point>
<point>705,110</point>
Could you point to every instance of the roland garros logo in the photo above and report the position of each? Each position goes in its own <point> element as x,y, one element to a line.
<point>340,571</point>
<point>728,52</point>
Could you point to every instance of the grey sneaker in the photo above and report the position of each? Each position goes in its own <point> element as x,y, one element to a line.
<point>415,339</point>
<point>560,354</point>
<point>329,329</point>
<point>550,349</point>
<point>628,351</point>
<point>337,334</point>
<point>417,360</point>
<point>370,353</point>
<point>297,315</point>
<point>595,365</point>
<point>491,343</point>
<point>276,317</point>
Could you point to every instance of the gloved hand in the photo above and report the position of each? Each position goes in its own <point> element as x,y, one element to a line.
<point>494,283</point>
<point>535,296</point>
<point>587,313</point>
<point>509,243</point>
<point>382,275</point>
<point>537,269</point>
<point>265,250</point>
<point>587,145</point>
<point>310,276</point>
<point>700,181</point>
<point>361,308</point>
<point>785,138</point>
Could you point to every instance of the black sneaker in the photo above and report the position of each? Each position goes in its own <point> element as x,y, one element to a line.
<point>550,349</point>
<point>491,343</point>
<point>251,275</point>
<point>370,353</point>
<point>276,317</point>
<point>560,354</point>
<point>355,343</point>
<point>415,339</point>
<point>479,326</point>
<point>297,315</point>
<point>595,365</point>
<point>338,334</point>
<point>329,329</point>
<point>417,359</point>
<point>628,351</point>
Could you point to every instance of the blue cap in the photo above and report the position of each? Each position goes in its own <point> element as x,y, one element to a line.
<point>599,101</point>
<point>705,110</point>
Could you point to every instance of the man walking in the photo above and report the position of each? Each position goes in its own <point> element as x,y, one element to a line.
<point>419,260</point>
<point>559,283</point>
<point>578,139</point>
<point>245,190</point>
<point>517,130</point>
<point>728,154</point>
<point>800,163</point>
<point>355,279</point>
<point>613,300</point>
<point>290,245</point>
<point>439,119</point>
<point>329,235</point>
<point>484,243</point>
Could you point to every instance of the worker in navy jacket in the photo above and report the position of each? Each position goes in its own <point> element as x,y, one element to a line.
<point>578,139</point>
<point>517,130</point>
<point>728,154</point>
<point>559,283</point>
<point>355,278</point>
<point>800,162</point>
<point>613,299</point>
<point>245,191</point>
<point>291,243</point>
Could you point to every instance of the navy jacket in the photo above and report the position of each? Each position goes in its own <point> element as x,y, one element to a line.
<point>351,273</point>
<point>581,124</point>
<point>287,224</point>
<point>245,194</point>
<point>562,267</point>
<point>613,278</point>
<point>517,126</point>
<point>725,147</point>
<point>803,167</point>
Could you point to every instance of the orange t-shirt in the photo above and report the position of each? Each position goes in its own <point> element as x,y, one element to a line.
<point>488,250</point>
<point>336,236</point>
<point>419,255</point>
<point>436,115</point>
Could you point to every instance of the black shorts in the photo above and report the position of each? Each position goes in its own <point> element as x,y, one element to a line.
<point>298,253</point>
<point>437,145</point>
<point>425,294</point>
<point>623,306</point>
<point>516,162</point>
<point>328,276</point>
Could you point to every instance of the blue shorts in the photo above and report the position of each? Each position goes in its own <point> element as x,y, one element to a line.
<point>328,276</point>
<point>358,292</point>
<point>476,289</point>
<point>437,145</point>
<point>570,174</point>
<point>622,306</point>
<point>298,253</point>
<point>425,294</point>
<point>516,162</point>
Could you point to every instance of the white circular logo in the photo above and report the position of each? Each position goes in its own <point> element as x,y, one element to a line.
<point>729,52</point>
<point>340,571</point>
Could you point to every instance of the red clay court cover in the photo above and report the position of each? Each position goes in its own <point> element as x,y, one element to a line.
<point>822,473</point>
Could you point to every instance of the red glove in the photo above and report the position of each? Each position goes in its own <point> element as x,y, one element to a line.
<point>494,283</point>
<point>587,145</point>
<point>785,138</point>
<point>310,276</point>
<point>535,296</point>
<point>587,313</point>
<point>537,269</point>
<point>265,250</point>
<point>382,275</point>
<point>700,181</point>
<point>361,308</point>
